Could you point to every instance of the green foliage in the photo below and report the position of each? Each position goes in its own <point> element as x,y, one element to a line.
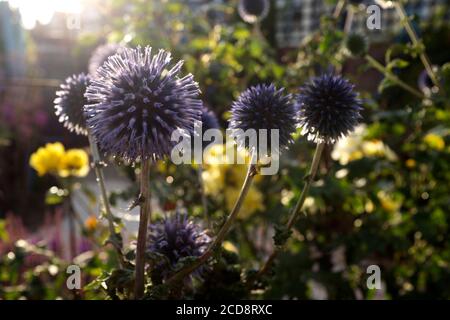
<point>387,205</point>
<point>224,58</point>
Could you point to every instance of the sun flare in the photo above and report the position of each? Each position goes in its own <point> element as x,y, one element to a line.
<point>42,11</point>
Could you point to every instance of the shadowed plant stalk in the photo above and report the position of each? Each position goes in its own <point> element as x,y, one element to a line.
<point>329,110</point>
<point>97,164</point>
<point>144,217</point>
<point>69,107</point>
<point>202,194</point>
<point>298,207</point>
<point>251,173</point>
<point>250,111</point>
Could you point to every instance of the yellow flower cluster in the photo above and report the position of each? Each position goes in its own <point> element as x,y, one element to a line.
<point>225,178</point>
<point>434,141</point>
<point>54,159</point>
<point>388,202</point>
<point>354,147</point>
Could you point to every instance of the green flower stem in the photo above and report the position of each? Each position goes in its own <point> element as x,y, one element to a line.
<point>180,275</point>
<point>415,40</point>
<point>101,184</point>
<point>297,209</point>
<point>144,217</point>
<point>374,63</point>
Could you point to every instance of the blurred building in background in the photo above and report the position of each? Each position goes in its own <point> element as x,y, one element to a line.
<point>33,62</point>
<point>12,43</point>
<point>296,19</point>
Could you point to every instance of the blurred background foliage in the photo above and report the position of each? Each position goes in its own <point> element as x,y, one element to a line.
<point>382,195</point>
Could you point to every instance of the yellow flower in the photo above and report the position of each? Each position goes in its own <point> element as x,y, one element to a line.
<point>214,179</point>
<point>222,176</point>
<point>47,159</point>
<point>353,147</point>
<point>369,206</point>
<point>373,148</point>
<point>75,162</point>
<point>410,163</point>
<point>91,223</point>
<point>388,202</point>
<point>229,246</point>
<point>237,173</point>
<point>221,171</point>
<point>434,141</point>
<point>215,155</point>
<point>348,149</point>
<point>252,203</point>
<point>376,148</point>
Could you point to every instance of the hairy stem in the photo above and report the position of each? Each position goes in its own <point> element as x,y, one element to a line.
<point>375,64</point>
<point>144,217</point>
<point>251,172</point>
<point>104,195</point>
<point>298,207</point>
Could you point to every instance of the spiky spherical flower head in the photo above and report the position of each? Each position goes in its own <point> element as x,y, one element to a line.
<point>252,11</point>
<point>173,238</point>
<point>328,108</point>
<point>137,101</point>
<point>264,107</point>
<point>357,44</point>
<point>209,119</point>
<point>70,102</point>
<point>101,54</point>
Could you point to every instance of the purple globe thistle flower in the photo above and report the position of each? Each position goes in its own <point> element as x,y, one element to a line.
<point>101,54</point>
<point>70,102</point>
<point>175,238</point>
<point>137,102</point>
<point>252,11</point>
<point>328,108</point>
<point>209,119</point>
<point>264,107</point>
